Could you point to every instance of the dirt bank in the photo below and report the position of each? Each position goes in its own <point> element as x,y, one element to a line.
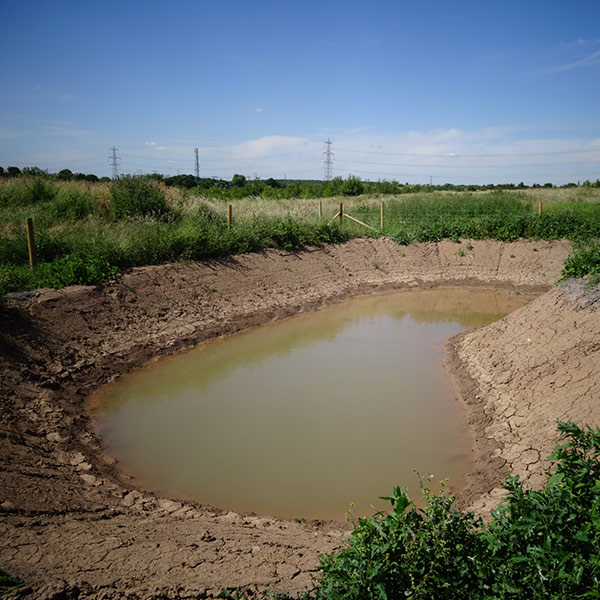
<point>521,375</point>
<point>72,521</point>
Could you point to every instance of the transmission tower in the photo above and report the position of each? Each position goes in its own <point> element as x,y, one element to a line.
<point>114,159</point>
<point>328,160</point>
<point>197,165</point>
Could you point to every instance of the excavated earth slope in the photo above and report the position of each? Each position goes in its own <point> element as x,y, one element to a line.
<point>72,524</point>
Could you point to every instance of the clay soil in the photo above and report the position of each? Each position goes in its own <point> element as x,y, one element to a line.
<point>73,524</point>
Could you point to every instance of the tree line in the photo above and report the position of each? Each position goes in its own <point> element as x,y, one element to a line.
<point>241,187</point>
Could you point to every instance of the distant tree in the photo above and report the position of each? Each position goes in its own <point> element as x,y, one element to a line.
<point>155,176</point>
<point>238,180</point>
<point>182,181</point>
<point>65,175</point>
<point>272,183</point>
<point>13,171</point>
<point>547,185</point>
<point>352,186</point>
<point>521,186</point>
<point>91,178</point>
<point>34,172</point>
<point>2,172</point>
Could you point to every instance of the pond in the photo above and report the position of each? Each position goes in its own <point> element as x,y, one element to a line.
<point>303,417</point>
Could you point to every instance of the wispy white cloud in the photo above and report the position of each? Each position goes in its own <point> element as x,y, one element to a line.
<point>587,61</point>
<point>155,146</point>
<point>259,109</point>
<point>66,131</point>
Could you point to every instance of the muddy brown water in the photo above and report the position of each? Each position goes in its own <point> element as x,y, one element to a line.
<point>304,417</point>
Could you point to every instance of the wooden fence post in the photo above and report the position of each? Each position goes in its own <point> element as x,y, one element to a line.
<point>341,213</point>
<point>381,213</point>
<point>540,208</point>
<point>228,217</point>
<point>31,242</point>
<point>320,208</point>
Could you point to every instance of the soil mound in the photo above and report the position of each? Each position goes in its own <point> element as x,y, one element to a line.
<point>519,376</point>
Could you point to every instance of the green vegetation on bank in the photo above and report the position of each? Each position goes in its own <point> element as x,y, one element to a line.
<point>85,233</point>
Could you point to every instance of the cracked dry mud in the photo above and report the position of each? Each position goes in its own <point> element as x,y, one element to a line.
<point>72,524</point>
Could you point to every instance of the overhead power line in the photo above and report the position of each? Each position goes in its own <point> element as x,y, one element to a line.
<point>452,155</point>
<point>486,166</point>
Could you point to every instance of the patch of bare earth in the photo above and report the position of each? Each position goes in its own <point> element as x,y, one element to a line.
<point>72,523</point>
<point>521,375</point>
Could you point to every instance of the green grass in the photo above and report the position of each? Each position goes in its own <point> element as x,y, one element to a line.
<point>87,233</point>
<point>9,582</point>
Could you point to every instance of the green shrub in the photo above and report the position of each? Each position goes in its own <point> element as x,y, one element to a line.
<point>25,192</point>
<point>407,553</point>
<point>585,260</point>
<point>352,186</point>
<point>134,196</point>
<point>72,204</point>
<point>15,279</point>
<point>75,269</point>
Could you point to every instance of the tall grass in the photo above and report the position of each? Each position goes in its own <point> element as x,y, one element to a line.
<point>86,232</point>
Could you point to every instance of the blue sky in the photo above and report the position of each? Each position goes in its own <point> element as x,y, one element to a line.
<point>462,92</point>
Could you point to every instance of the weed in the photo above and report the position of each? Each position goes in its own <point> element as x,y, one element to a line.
<point>469,246</point>
<point>132,196</point>
<point>8,583</point>
<point>75,270</point>
<point>460,253</point>
<point>585,260</point>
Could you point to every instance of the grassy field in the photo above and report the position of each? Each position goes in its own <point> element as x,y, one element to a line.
<point>86,232</point>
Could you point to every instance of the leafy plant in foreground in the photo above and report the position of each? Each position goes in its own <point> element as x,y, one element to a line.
<point>407,553</point>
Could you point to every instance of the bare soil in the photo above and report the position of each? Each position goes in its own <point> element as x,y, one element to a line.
<point>73,524</point>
